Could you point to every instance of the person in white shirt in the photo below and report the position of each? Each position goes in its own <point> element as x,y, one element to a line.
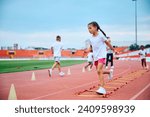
<point>56,49</point>
<point>109,56</point>
<point>143,54</point>
<point>98,45</point>
<point>90,59</point>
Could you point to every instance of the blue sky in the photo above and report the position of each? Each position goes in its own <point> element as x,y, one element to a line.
<point>37,22</point>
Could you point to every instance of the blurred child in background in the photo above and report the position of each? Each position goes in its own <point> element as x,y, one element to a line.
<point>90,60</point>
<point>56,51</point>
<point>143,54</point>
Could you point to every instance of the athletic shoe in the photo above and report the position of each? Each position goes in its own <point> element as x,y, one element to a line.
<point>147,67</point>
<point>61,74</point>
<point>106,67</point>
<point>101,91</point>
<point>112,67</point>
<point>89,69</point>
<point>50,72</point>
<point>110,74</point>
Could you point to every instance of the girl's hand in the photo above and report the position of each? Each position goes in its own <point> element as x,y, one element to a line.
<point>116,52</point>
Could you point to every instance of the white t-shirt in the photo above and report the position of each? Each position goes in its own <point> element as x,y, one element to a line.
<point>109,51</point>
<point>142,54</point>
<point>57,47</point>
<point>90,57</point>
<point>99,47</point>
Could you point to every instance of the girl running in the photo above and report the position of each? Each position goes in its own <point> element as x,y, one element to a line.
<point>143,54</point>
<point>90,60</point>
<point>98,45</point>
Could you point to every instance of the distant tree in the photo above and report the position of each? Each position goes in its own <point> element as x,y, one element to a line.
<point>147,46</point>
<point>134,47</point>
<point>40,48</point>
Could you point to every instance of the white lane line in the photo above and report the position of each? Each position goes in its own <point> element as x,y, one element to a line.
<point>139,93</point>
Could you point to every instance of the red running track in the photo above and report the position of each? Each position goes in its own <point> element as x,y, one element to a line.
<point>64,88</point>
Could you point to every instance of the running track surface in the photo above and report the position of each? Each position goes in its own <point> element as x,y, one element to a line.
<point>79,85</point>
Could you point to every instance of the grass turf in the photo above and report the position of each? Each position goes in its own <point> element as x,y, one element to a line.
<point>26,65</point>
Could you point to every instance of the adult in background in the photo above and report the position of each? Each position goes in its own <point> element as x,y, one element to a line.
<point>109,56</point>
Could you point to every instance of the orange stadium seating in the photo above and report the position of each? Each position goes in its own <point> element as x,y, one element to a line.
<point>48,53</point>
<point>121,49</point>
<point>38,53</point>
<point>3,53</point>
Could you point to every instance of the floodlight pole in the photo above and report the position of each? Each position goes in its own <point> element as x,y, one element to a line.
<point>135,21</point>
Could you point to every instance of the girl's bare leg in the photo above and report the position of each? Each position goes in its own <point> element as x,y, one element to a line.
<point>100,74</point>
<point>59,67</point>
<point>54,65</point>
<point>91,66</point>
<point>87,65</point>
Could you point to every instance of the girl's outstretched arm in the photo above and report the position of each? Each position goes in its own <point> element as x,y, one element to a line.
<point>109,45</point>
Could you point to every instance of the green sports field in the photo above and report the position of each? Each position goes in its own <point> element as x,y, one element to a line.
<point>26,65</point>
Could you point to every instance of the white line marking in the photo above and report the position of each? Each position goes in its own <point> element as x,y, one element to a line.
<point>139,93</point>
